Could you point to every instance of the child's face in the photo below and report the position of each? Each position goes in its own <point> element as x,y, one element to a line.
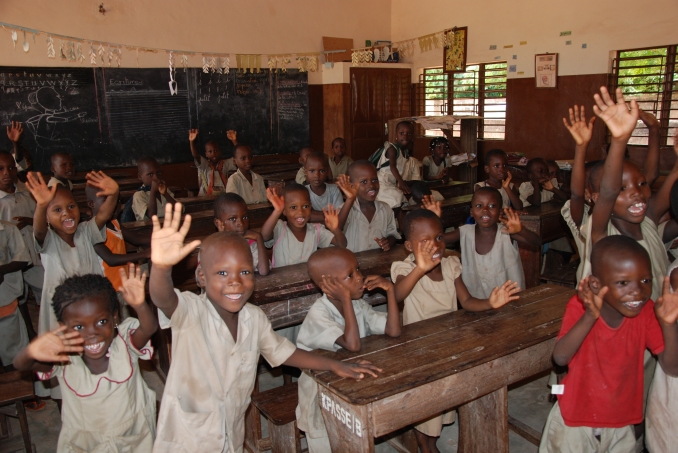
<point>345,270</point>
<point>91,317</point>
<point>227,274</point>
<point>297,208</point>
<point>629,283</point>
<point>441,150</point>
<point>233,218</point>
<point>243,158</point>
<point>485,209</point>
<point>63,213</point>
<point>553,171</point>
<point>339,148</point>
<point>404,135</point>
<point>212,152</point>
<point>365,176</point>
<point>303,154</point>
<point>63,166</point>
<point>631,203</point>
<point>497,168</point>
<point>426,231</point>
<point>7,172</point>
<point>316,171</point>
<point>539,172</point>
<point>150,172</point>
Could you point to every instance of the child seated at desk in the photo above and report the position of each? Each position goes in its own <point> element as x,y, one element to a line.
<point>338,319</point>
<point>499,177</point>
<point>230,214</point>
<point>322,194</point>
<point>63,169</point>
<point>216,341</point>
<point>369,223</point>
<point>301,174</point>
<point>212,169</point>
<point>605,331</point>
<point>249,185</point>
<point>340,162</point>
<point>435,166</point>
<point>295,239</point>
<point>153,195</point>
<point>430,283</point>
<point>419,190</point>
<point>539,189</point>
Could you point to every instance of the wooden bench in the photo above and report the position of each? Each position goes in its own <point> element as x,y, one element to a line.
<point>278,406</point>
<point>15,388</point>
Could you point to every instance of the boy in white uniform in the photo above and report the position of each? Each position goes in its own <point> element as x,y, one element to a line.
<point>217,339</point>
<point>212,169</point>
<point>322,193</point>
<point>249,185</point>
<point>338,319</point>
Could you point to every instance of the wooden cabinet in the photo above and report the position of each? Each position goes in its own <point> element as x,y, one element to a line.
<point>377,95</point>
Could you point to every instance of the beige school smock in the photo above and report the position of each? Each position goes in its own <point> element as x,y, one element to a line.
<point>341,168</point>
<point>526,189</point>
<point>505,200</point>
<point>321,328</point>
<point>140,204</point>
<point>332,196</point>
<point>360,233</point>
<point>433,169</point>
<point>13,334</point>
<point>301,176</point>
<point>251,193</point>
<point>112,412</point>
<point>53,180</point>
<point>287,250</point>
<point>205,174</point>
<point>212,375</point>
<point>579,241</point>
<point>408,168</point>
<point>483,273</point>
<point>20,204</point>
<point>427,300</point>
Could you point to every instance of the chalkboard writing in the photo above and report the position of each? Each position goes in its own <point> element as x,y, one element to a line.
<point>109,117</point>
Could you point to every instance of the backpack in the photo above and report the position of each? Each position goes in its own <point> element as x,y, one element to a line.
<point>376,156</point>
<point>127,214</point>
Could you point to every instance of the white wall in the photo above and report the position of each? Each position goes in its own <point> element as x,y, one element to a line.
<point>604,25</point>
<point>233,26</point>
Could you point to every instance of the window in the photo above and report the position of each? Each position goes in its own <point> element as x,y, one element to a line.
<point>649,76</point>
<point>435,95</point>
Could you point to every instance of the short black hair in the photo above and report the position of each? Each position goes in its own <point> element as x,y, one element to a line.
<point>7,154</point>
<point>318,155</point>
<point>359,163</point>
<point>418,214</point>
<point>213,143</point>
<point>338,139</point>
<point>146,160</point>
<point>496,152</point>
<point>405,123</point>
<point>418,189</point>
<point>614,249</point>
<point>59,154</point>
<point>534,161</point>
<point>223,200</point>
<point>437,141</point>
<point>489,191</point>
<point>294,187</point>
<point>242,146</point>
<point>76,288</point>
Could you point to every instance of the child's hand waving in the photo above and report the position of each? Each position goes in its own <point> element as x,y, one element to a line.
<point>56,346</point>
<point>506,184</point>
<point>383,243</point>
<point>333,289</point>
<point>547,185</point>
<point>620,120</point>
<point>133,287</point>
<point>344,183</point>
<point>42,194</point>
<point>592,302</point>
<point>192,135</point>
<point>432,205</point>
<point>666,307</point>
<point>502,295</point>
<point>232,135</point>
<point>167,242</point>
<point>512,224</point>
<point>580,130</point>
<point>376,281</point>
<point>106,185</point>
<point>423,255</point>
<point>276,200</point>
<point>14,131</point>
<point>355,370</point>
<point>331,217</point>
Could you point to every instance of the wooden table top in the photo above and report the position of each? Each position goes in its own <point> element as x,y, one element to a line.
<point>439,347</point>
<point>446,203</point>
<point>535,212</point>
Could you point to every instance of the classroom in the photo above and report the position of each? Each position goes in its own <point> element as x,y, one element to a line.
<point>338,226</point>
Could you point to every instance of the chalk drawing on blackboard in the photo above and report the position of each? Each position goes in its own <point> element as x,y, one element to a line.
<point>45,125</point>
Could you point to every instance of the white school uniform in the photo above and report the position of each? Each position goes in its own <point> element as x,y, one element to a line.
<point>526,189</point>
<point>300,178</point>
<point>505,200</point>
<point>205,172</point>
<point>579,240</point>
<point>251,193</point>
<point>341,168</point>
<point>360,233</point>
<point>433,169</point>
<point>53,180</point>
<point>332,196</point>
<point>409,169</point>
<point>140,202</point>
<point>287,250</point>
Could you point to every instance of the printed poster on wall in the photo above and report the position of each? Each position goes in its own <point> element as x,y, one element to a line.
<point>454,56</point>
<point>546,70</point>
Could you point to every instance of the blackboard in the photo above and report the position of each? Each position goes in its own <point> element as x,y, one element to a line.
<point>109,117</point>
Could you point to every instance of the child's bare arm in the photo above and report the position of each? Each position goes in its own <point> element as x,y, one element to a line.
<point>167,249</point>
<point>651,166</point>
<point>317,217</point>
<point>162,188</point>
<point>263,266</point>
<point>134,237</point>
<point>666,309</point>
<point>134,292</point>
<point>535,198</point>
<point>392,156</point>
<point>332,224</point>
<point>567,346</point>
<point>278,203</point>
<point>152,207</point>
<point>660,202</point>
<point>353,370</point>
<point>14,132</point>
<point>192,136</point>
<point>581,132</point>
<point>386,243</point>
<point>351,192</point>
<point>43,195</point>
<point>514,227</point>
<point>393,313</point>
<point>107,188</point>
<point>119,259</point>
<point>512,192</point>
<point>423,257</point>
<point>48,348</point>
<point>558,193</point>
<point>499,297</point>
<point>350,340</point>
<point>620,121</point>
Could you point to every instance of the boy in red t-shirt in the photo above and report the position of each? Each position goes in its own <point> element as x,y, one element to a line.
<point>606,329</point>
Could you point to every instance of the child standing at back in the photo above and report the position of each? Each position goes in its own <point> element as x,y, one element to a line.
<point>499,177</point>
<point>430,284</point>
<point>322,194</point>
<point>249,185</point>
<point>63,169</point>
<point>340,162</point>
<point>153,195</point>
<point>540,188</point>
<point>212,169</point>
<point>338,319</point>
<point>395,166</point>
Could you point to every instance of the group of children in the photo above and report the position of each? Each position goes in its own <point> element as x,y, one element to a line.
<point>92,351</point>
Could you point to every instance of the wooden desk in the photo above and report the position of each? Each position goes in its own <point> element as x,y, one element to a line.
<point>547,221</point>
<point>452,189</point>
<point>455,210</point>
<point>284,176</point>
<point>462,359</point>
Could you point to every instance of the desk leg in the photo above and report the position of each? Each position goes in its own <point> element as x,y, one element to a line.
<point>531,259</point>
<point>349,427</point>
<point>483,424</point>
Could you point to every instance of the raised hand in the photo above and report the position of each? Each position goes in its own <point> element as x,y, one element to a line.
<point>162,187</point>
<point>331,217</point>
<point>333,289</point>
<point>506,184</point>
<point>434,206</point>
<point>512,224</point>
<point>14,131</point>
<point>192,135</point>
<point>276,200</point>
<point>133,287</point>
<point>442,174</point>
<point>375,281</point>
<point>423,255</point>
<point>592,302</point>
<point>56,346</point>
<point>502,295</point>
<point>547,185</point>
<point>252,235</point>
<point>666,307</point>
<point>620,120</point>
<point>580,130</point>
<point>106,185</point>
<point>383,243</point>
<point>344,183</point>
<point>167,242</point>
<point>355,370</point>
<point>232,135</point>
<point>649,119</point>
<point>42,194</point>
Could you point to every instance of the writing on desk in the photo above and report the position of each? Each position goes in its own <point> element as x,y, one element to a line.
<point>343,415</point>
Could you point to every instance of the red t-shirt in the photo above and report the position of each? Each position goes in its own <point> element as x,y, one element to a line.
<point>604,385</point>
